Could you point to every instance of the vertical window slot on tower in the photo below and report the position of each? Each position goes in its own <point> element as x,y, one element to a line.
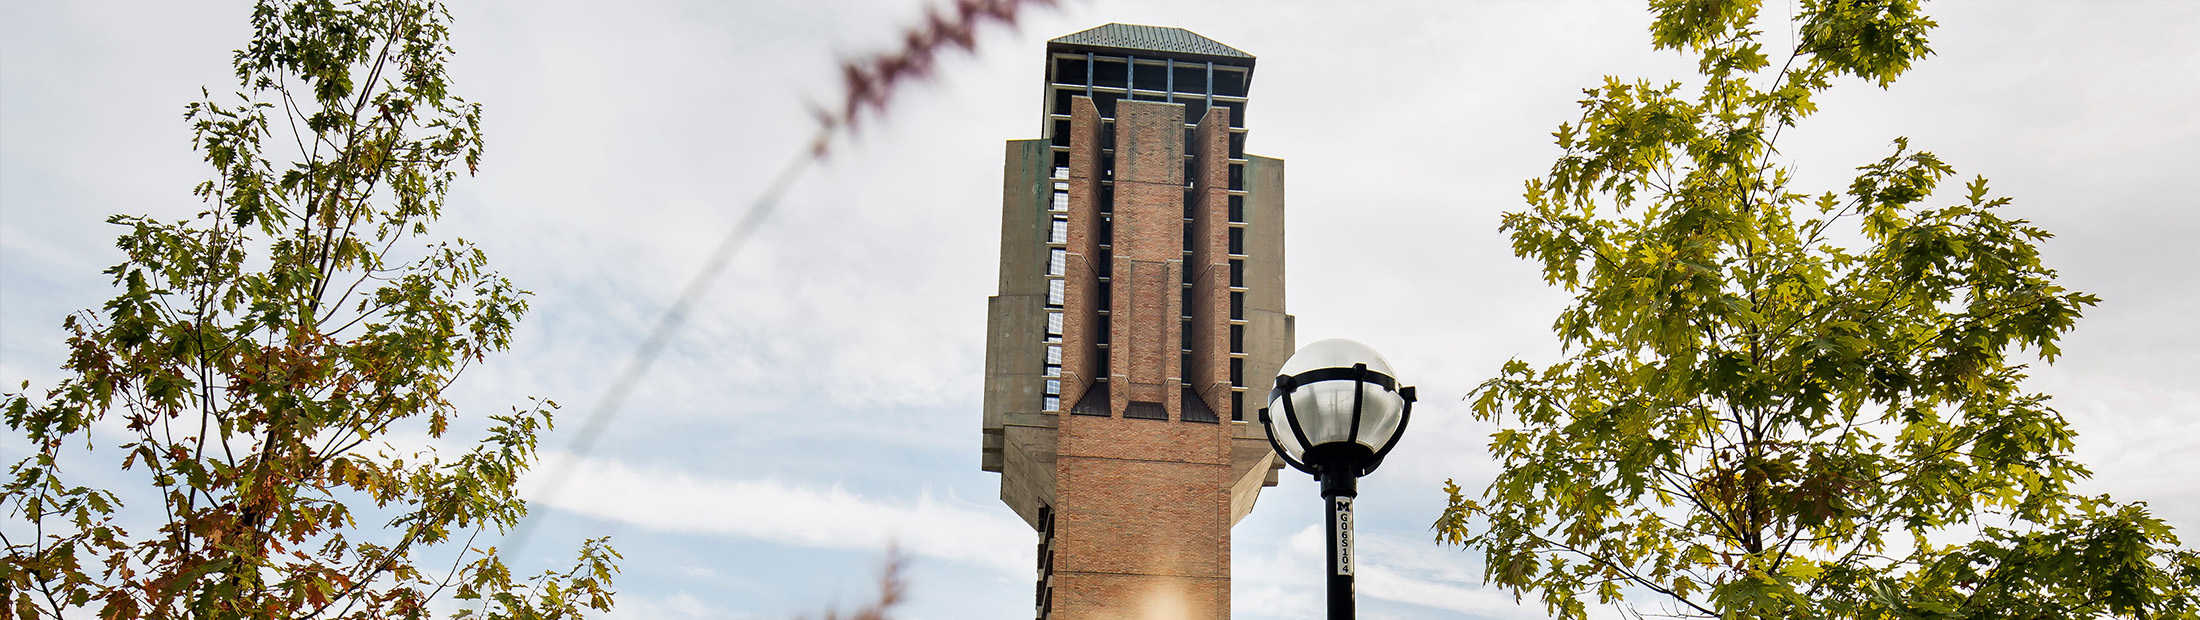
<point>1106,102</point>
<point>1064,97</point>
<point>1229,82</point>
<point>1069,71</point>
<point>1150,75</point>
<point>1109,73</point>
<point>1191,78</point>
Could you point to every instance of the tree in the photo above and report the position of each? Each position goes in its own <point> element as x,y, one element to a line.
<point>260,356</point>
<point>1779,404</point>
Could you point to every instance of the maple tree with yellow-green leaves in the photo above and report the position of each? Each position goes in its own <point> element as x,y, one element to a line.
<point>259,357</point>
<point>1786,403</point>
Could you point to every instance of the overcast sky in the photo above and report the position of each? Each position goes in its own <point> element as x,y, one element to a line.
<point>825,398</point>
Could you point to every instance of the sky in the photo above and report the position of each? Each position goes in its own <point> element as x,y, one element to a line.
<point>823,400</point>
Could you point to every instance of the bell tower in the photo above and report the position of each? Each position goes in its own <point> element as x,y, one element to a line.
<point>1141,289</point>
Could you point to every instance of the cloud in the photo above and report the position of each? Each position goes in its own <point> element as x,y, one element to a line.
<point>1284,581</point>
<point>780,512</point>
<point>677,606</point>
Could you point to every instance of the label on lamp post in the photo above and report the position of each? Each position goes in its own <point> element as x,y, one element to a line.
<point>1343,507</point>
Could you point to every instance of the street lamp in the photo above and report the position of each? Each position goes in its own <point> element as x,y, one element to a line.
<point>1341,411</point>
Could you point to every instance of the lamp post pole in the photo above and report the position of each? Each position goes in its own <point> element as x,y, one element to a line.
<point>1339,490</point>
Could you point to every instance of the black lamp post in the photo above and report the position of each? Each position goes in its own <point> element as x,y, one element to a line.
<point>1342,411</point>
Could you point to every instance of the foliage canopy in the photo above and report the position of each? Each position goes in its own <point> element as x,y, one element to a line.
<point>261,357</point>
<point>1785,404</point>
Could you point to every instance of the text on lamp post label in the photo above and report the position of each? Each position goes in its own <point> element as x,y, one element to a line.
<point>1344,535</point>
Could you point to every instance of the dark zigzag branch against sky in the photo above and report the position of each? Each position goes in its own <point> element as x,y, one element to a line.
<point>869,84</point>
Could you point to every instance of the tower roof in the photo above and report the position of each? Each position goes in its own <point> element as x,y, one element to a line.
<point>1163,39</point>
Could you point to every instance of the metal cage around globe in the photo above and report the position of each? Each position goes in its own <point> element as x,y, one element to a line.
<point>1336,406</point>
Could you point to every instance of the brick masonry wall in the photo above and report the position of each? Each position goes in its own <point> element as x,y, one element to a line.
<point>1143,509</point>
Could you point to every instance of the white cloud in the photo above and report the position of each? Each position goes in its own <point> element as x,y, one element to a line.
<point>677,606</point>
<point>1284,581</point>
<point>775,511</point>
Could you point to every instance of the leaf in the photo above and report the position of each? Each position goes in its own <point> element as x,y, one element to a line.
<point>1748,399</point>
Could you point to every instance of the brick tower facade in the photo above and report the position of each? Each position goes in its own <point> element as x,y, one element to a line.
<point>1141,293</point>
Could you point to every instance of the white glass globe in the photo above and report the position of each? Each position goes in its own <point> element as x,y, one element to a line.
<point>1324,408</point>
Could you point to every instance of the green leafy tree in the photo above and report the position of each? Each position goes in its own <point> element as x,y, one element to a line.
<point>259,357</point>
<point>1785,404</point>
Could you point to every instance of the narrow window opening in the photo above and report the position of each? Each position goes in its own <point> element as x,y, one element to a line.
<point>1229,82</point>
<point>1236,108</point>
<point>1195,109</point>
<point>1191,79</point>
<point>1109,73</point>
<point>1064,98</point>
<point>1069,70</point>
<point>1106,102</point>
<point>1150,76</point>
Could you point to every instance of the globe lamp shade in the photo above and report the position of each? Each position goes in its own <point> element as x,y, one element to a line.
<point>1336,407</point>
